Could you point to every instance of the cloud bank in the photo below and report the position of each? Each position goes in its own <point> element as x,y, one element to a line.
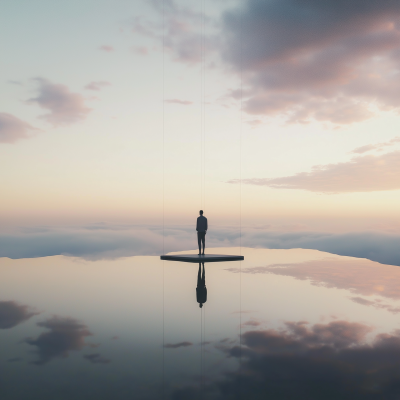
<point>315,60</point>
<point>108,242</point>
<point>13,129</point>
<point>362,174</point>
<point>304,60</point>
<point>64,106</point>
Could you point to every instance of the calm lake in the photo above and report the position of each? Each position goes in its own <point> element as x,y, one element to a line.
<point>282,324</point>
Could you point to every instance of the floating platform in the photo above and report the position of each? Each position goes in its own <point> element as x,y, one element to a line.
<point>195,258</point>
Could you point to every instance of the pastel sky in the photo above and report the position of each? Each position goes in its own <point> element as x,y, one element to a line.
<point>82,100</point>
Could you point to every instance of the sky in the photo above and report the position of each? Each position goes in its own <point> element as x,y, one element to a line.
<point>296,99</point>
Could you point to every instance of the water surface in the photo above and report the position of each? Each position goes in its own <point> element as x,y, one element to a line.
<point>282,324</point>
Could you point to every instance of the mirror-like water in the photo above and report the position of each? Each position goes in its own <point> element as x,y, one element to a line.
<point>282,324</point>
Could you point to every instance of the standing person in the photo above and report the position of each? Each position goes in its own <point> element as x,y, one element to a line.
<point>201,228</point>
<point>201,290</point>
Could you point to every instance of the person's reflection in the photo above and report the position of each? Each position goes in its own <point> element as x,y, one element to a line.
<point>201,290</point>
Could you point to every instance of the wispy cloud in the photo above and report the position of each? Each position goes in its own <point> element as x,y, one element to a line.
<point>64,106</point>
<point>177,101</point>
<point>362,174</point>
<point>177,345</point>
<point>180,31</point>
<point>97,85</point>
<point>13,129</point>
<point>377,146</point>
<point>107,48</point>
<point>376,304</point>
<point>142,50</point>
<point>96,358</point>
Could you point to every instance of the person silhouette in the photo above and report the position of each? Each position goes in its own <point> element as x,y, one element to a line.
<point>201,290</point>
<point>201,228</point>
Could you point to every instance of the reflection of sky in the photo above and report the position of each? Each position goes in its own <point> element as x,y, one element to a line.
<point>96,327</point>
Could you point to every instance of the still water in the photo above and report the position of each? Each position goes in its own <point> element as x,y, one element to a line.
<point>282,324</point>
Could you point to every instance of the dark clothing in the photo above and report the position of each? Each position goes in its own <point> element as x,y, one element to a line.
<point>201,225</point>
<point>201,290</point>
<point>201,238</point>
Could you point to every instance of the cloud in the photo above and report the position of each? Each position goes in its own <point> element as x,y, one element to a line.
<point>15,359</point>
<point>13,314</point>
<point>143,51</point>
<point>107,48</point>
<point>377,146</point>
<point>65,107</point>
<point>375,304</point>
<point>321,361</point>
<point>251,322</point>
<point>177,345</point>
<point>177,101</point>
<point>180,31</point>
<point>100,241</point>
<point>97,85</point>
<point>65,335</point>
<point>315,60</point>
<point>13,129</point>
<point>96,358</point>
<point>362,174</point>
<point>361,277</point>
<point>303,60</point>
<point>104,241</point>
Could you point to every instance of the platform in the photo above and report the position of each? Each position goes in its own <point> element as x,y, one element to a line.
<point>195,258</point>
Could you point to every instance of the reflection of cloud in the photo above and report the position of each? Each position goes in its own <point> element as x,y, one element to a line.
<point>13,129</point>
<point>177,101</point>
<point>313,362</point>
<point>251,322</point>
<point>359,276</point>
<point>177,345</point>
<point>64,106</point>
<point>12,314</point>
<point>361,174</point>
<point>318,362</point>
<point>15,359</point>
<point>96,358</point>
<point>66,334</point>
<point>376,304</point>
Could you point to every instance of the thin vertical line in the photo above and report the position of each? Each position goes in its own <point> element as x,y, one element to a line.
<point>163,196</point>
<point>201,352</point>
<point>204,104</point>
<point>240,206</point>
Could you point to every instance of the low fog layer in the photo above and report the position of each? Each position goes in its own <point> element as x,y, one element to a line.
<point>106,241</point>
